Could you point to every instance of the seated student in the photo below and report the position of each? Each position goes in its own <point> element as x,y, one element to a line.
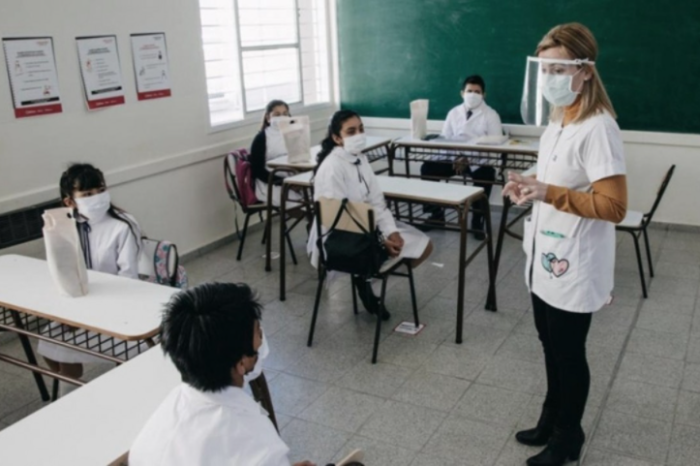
<point>110,240</point>
<point>267,145</point>
<point>344,172</point>
<point>468,121</point>
<point>212,334</point>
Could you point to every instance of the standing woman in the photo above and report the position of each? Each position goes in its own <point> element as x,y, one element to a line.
<point>579,193</point>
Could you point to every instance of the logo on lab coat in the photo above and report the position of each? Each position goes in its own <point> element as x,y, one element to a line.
<point>554,266</point>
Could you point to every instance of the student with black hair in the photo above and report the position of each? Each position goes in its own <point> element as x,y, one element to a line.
<point>468,121</point>
<point>212,334</point>
<point>110,240</point>
<point>268,145</point>
<point>344,172</point>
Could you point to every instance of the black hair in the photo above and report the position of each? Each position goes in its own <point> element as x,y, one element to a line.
<point>84,177</point>
<point>328,144</point>
<point>268,109</point>
<point>475,79</point>
<point>207,330</point>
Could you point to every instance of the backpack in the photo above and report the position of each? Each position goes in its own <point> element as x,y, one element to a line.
<point>160,264</point>
<point>238,177</point>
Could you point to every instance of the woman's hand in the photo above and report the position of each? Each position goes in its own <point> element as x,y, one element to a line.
<point>524,189</point>
<point>394,244</point>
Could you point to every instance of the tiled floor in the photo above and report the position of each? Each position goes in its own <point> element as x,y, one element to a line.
<point>432,402</point>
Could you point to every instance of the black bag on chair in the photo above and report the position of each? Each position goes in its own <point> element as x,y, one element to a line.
<point>355,253</point>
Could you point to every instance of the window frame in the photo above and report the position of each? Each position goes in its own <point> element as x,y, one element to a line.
<point>252,118</point>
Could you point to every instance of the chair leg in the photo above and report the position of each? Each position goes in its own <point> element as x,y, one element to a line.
<point>54,390</point>
<point>291,248</point>
<point>321,279</point>
<point>639,264</point>
<point>268,227</point>
<point>646,244</point>
<point>413,294</point>
<point>354,293</point>
<point>377,332</point>
<point>242,241</point>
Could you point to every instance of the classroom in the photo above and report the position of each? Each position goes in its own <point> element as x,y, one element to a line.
<point>349,233</point>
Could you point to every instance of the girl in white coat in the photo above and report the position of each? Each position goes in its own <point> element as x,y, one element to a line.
<point>579,193</point>
<point>110,240</point>
<point>344,172</point>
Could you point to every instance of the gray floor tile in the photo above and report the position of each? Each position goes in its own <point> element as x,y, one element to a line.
<point>457,361</point>
<point>423,459</point>
<point>379,379</point>
<point>662,320</point>
<point>430,390</point>
<point>405,351</point>
<point>691,378</point>
<point>291,395</point>
<point>313,442</point>
<point>493,405</point>
<point>324,365</point>
<point>615,315</point>
<point>523,347</point>
<point>668,304</point>
<point>644,400</point>
<point>651,369</point>
<point>632,435</point>
<point>661,344</point>
<point>665,268</point>
<point>472,442</point>
<point>688,408</point>
<point>16,392</point>
<point>514,453</point>
<point>522,376</point>
<point>378,451</point>
<point>485,340</point>
<point>342,409</point>
<point>685,448</point>
<point>693,354</point>
<point>675,286</point>
<point>283,420</point>
<point>603,458</point>
<point>403,424</point>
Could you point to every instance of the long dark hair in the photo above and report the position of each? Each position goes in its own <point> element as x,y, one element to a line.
<point>268,109</point>
<point>328,144</point>
<point>83,177</point>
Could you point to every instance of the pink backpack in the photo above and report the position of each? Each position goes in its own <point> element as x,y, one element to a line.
<point>239,180</point>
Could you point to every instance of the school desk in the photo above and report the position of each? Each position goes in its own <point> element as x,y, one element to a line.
<point>377,149</point>
<point>401,190</point>
<point>118,317</point>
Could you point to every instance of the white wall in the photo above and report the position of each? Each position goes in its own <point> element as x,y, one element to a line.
<point>160,157</point>
<point>648,156</point>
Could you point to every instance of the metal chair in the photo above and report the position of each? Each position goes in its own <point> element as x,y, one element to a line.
<point>234,193</point>
<point>636,223</point>
<point>326,211</point>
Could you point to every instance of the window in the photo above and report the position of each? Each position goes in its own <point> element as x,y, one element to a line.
<point>259,50</point>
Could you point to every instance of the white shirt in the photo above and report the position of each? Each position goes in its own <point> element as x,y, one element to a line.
<point>484,121</point>
<point>340,176</point>
<point>572,259</point>
<point>113,247</point>
<point>226,428</point>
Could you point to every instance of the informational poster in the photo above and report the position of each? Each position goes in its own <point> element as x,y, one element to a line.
<point>151,66</point>
<point>101,71</point>
<point>31,66</point>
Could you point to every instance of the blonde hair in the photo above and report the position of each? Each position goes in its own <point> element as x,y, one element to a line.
<point>579,42</point>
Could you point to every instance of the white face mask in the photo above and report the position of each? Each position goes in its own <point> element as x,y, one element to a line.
<point>275,120</point>
<point>263,352</point>
<point>94,208</point>
<point>556,88</point>
<point>472,99</point>
<point>355,144</point>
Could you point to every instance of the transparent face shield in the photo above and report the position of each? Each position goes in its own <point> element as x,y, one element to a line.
<point>549,82</point>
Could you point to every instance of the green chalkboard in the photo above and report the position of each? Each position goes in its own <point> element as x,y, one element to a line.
<point>395,51</point>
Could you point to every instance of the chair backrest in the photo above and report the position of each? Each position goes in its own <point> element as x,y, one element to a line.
<point>359,211</point>
<point>660,194</point>
<point>238,178</point>
<point>159,262</point>
<point>24,225</point>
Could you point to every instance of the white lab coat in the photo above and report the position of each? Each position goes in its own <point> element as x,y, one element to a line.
<point>340,177</point>
<point>114,249</point>
<point>226,428</point>
<point>275,148</point>
<point>574,272</point>
<point>483,122</point>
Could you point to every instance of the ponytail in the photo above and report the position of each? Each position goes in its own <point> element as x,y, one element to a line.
<point>334,128</point>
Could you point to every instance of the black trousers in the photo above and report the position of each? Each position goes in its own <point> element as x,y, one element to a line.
<point>563,336</point>
<point>446,170</point>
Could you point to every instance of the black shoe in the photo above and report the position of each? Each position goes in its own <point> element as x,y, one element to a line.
<point>538,436</point>
<point>563,446</point>
<point>371,302</point>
